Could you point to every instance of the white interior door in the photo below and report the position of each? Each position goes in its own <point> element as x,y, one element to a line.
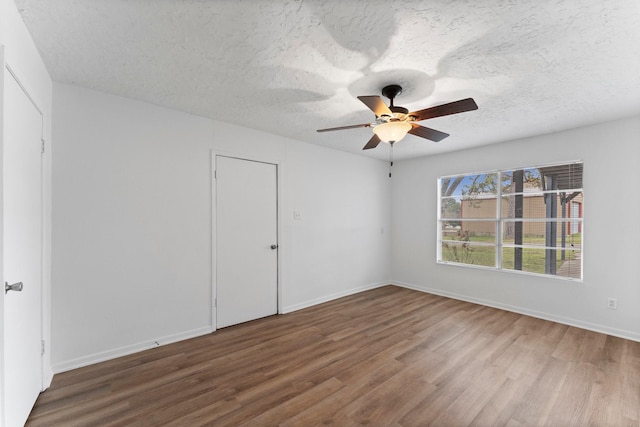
<point>246,240</point>
<point>22,253</point>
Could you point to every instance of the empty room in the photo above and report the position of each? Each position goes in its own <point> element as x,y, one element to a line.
<point>305,212</point>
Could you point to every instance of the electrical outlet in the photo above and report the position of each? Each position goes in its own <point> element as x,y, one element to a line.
<point>612,303</point>
<point>297,215</point>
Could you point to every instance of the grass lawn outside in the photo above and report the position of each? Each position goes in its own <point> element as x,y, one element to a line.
<point>533,259</point>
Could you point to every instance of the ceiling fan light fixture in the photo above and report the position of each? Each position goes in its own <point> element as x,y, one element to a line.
<point>392,131</point>
<point>393,122</point>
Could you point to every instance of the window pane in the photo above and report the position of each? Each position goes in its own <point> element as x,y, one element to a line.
<point>469,253</point>
<point>521,181</point>
<point>476,231</point>
<point>469,185</point>
<point>562,177</point>
<point>479,185</point>
<point>469,196</point>
<point>485,230</point>
<point>566,264</point>
<point>472,207</point>
<point>558,177</point>
<point>543,234</point>
<point>450,208</point>
<point>539,205</point>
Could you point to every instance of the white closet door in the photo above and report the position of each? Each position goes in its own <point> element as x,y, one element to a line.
<point>22,256</point>
<point>246,240</point>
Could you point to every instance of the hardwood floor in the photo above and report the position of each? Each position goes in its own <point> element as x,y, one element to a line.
<point>386,357</point>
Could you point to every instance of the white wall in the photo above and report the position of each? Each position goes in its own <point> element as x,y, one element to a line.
<point>611,154</point>
<point>21,56</point>
<point>132,223</point>
<point>130,226</point>
<point>343,238</point>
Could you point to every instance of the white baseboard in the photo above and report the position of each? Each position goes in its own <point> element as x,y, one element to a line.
<point>134,348</point>
<point>129,349</point>
<point>316,301</point>
<point>145,345</point>
<point>620,333</point>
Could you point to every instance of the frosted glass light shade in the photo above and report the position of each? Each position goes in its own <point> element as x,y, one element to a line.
<point>392,131</point>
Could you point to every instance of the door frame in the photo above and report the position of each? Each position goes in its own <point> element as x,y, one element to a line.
<point>279,225</point>
<point>8,71</point>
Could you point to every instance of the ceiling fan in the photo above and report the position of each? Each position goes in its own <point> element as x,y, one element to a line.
<point>393,123</point>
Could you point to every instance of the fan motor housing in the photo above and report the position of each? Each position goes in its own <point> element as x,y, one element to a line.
<point>399,113</point>
<point>400,110</point>
<point>392,91</point>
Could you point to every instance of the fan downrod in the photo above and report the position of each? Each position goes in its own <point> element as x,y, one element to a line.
<point>391,91</point>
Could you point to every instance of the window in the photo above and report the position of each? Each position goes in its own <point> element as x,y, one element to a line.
<point>527,220</point>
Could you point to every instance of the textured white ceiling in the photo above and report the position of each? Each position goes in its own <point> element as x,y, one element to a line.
<point>291,67</point>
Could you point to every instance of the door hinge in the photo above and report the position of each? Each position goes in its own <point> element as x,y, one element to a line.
<point>215,174</point>
<point>41,347</point>
<point>215,302</point>
<point>42,147</point>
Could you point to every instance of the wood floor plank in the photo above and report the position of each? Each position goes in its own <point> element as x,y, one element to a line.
<point>435,404</point>
<point>328,411</point>
<point>292,407</point>
<point>499,409</point>
<point>386,403</point>
<point>538,398</point>
<point>477,394</point>
<point>386,357</point>
<point>571,403</point>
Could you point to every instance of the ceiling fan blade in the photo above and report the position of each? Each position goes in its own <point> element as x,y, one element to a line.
<point>376,105</point>
<point>428,133</point>
<point>364,125</point>
<point>446,109</point>
<point>373,142</point>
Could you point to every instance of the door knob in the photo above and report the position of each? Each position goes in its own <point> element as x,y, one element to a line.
<point>274,246</point>
<point>15,287</point>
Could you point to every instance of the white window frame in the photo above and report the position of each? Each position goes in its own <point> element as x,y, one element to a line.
<point>500,221</point>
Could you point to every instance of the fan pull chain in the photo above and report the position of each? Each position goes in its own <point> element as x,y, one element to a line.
<point>390,158</point>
